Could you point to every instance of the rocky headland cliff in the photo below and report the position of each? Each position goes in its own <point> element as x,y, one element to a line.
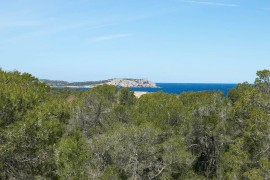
<point>133,83</point>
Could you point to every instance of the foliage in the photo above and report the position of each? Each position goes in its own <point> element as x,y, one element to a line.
<point>71,157</point>
<point>263,80</point>
<point>107,133</point>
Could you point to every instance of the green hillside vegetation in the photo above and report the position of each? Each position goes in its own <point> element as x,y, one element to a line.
<point>65,83</point>
<point>107,133</point>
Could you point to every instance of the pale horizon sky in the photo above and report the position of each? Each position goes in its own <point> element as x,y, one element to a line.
<point>188,41</point>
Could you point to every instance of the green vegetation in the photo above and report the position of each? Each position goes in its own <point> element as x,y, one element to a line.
<point>107,133</point>
<point>56,83</point>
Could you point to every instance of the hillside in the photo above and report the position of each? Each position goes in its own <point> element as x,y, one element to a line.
<point>59,83</point>
<point>108,133</point>
<point>133,83</point>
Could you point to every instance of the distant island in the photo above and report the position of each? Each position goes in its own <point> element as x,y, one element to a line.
<point>119,82</point>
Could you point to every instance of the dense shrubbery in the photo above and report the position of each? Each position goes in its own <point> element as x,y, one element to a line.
<point>106,133</point>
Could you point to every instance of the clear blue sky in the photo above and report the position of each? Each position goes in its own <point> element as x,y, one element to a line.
<point>162,40</point>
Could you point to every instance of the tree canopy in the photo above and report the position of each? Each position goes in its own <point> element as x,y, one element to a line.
<point>108,133</point>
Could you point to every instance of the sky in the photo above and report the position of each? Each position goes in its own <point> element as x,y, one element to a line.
<point>185,41</point>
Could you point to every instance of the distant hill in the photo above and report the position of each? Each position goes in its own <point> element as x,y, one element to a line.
<point>132,83</point>
<point>125,82</point>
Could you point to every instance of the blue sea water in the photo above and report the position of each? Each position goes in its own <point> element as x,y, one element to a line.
<point>178,88</point>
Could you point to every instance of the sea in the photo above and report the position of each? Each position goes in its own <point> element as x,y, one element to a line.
<point>178,88</point>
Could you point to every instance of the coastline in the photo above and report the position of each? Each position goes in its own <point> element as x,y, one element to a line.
<point>138,94</point>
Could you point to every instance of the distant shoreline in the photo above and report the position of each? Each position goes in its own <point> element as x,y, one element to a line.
<point>124,82</point>
<point>138,94</point>
<point>172,88</point>
<point>89,87</point>
<point>71,87</point>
